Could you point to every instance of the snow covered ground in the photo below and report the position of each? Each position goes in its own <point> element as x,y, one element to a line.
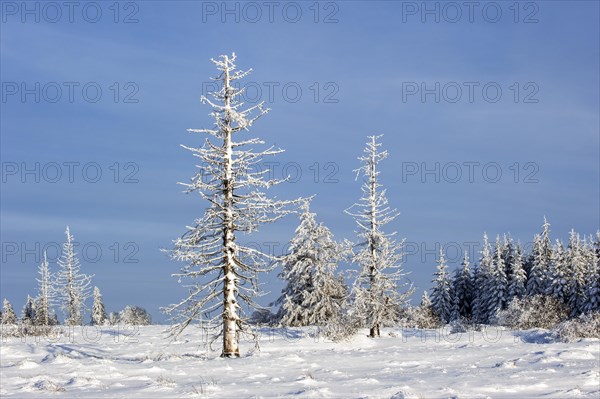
<point>422,364</point>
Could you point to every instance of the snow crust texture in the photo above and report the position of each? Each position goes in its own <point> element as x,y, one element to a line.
<point>141,362</point>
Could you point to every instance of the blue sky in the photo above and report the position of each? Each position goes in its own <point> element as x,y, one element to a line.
<point>366,64</point>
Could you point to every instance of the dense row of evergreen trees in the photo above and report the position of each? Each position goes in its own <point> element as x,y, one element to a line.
<point>314,295</point>
<point>504,272</point>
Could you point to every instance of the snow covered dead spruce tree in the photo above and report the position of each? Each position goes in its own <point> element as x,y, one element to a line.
<point>224,272</point>
<point>375,293</point>
<point>72,285</point>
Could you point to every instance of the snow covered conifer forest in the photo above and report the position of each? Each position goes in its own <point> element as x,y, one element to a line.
<point>298,261</point>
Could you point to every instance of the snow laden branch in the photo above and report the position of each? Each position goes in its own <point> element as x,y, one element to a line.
<point>376,296</point>
<point>222,274</point>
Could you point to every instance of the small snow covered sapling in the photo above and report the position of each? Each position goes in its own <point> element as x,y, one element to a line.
<point>313,294</point>
<point>98,309</point>
<point>135,316</point>
<point>8,313</point>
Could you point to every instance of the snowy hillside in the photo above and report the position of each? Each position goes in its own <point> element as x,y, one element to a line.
<point>295,363</point>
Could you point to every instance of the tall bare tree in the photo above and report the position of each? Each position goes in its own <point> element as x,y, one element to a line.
<point>224,272</point>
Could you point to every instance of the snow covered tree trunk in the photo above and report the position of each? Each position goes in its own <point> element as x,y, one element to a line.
<point>230,316</point>
<point>72,300</point>
<point>374,330</point>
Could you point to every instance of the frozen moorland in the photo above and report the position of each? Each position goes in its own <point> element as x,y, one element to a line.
<point>125,363</point>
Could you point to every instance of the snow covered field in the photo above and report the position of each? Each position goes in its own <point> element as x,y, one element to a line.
<point>417,364</point>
